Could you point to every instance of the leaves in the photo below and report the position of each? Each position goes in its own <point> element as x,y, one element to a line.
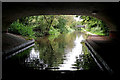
<point>19,28</point>
<point>42,25</point>
<point>94,25</point>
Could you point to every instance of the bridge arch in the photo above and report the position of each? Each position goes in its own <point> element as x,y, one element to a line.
<point>108,12</point>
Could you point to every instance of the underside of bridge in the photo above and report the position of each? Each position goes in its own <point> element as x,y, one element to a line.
<point>108,12</point>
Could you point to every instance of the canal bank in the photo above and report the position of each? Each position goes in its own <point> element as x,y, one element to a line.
<point>13,44</point>
<point>106,48</point>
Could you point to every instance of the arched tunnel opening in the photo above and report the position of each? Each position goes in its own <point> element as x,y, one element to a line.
<point>102,50</point>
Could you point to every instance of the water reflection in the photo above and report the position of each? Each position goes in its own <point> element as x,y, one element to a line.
<point>33,55</point>
<point>63,52</point>
<point>72,55</point>
<point>34,60</point>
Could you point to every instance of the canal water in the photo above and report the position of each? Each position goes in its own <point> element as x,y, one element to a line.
<point>55,53</point>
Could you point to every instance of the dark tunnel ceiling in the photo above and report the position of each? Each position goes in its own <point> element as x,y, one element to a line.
<point>86,6</point>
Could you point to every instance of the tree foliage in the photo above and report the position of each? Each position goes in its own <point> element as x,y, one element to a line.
<point>94,25</point>
<point>37,26</point>
<point>21,29</point>
<point>42,25</point>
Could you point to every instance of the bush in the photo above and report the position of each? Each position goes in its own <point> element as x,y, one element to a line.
<point>54,31</point>
<point>95,25</point>
<point>18,28</point>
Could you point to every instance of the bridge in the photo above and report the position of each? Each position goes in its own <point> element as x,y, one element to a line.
<point>105,46</point>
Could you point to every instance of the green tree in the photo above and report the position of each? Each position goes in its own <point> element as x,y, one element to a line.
<point>43,25</point>
<point>20,29</point>
<point>94,25</point>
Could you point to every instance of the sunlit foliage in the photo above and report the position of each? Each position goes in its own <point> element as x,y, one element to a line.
<point>42,25</point>
<point>94,25</point>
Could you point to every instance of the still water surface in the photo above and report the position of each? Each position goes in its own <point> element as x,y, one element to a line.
<point>63,52</point>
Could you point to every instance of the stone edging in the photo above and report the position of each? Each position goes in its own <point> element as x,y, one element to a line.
<point>98,58</point>
<point>18,49</point>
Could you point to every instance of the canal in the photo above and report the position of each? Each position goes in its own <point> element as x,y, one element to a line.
<point>64,52</point>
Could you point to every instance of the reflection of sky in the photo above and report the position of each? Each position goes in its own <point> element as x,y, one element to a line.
<point>78,18</point>
<point>71,55</point>
<point>33,55</point>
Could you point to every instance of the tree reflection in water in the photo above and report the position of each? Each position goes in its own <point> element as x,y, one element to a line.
<point>63,52</point>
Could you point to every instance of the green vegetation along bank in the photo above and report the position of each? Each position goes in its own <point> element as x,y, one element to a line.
<point>39,26</point>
